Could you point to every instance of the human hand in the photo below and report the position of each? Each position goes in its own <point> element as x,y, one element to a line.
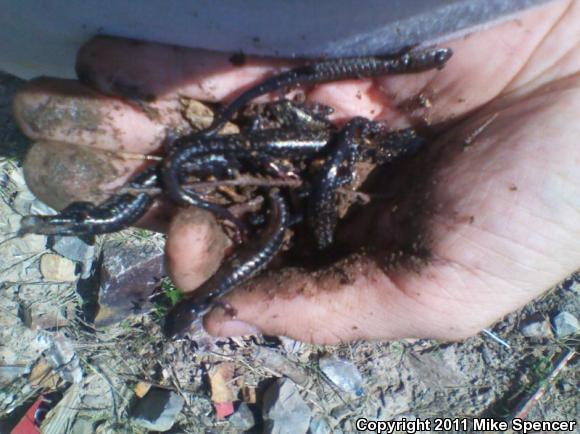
<point>497,205</point>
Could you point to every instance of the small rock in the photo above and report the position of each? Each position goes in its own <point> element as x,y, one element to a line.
<point>290,345</point>
<point>281,364</point>
<point>397,403</point>
<point>220,380</point>
<point>158,410</point>
<point>342,373</point>
<point>249,394</point>
<point>284,410</point>
<point>64,360</point>
<point>43,376</point>
<point>39,207</point>
<point>341,412</point>
<point>243,418</point>
<point>575,286</point>
<point>77,250</point>
<point>565,324</point>
<point>536,329</point>
<point>319,426</point>
<point>201,116</point>
<point>82,426</point>
<point>565,385</point>
<point>22,202</point>
<point>56,268</point>
<point>10,373</point>
<point>129,274</point>
<point>141,389</point>
<point>45,316</point>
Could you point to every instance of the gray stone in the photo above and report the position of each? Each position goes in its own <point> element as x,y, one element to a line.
<point>341,412</point>
<point>575,286</point>
<point>64,360</point>
<point>130,272</point>
<point>565,324</point>
<point>243,418</point>
<point>536,329</point>
<point>23,201</point>
<point>343,373</point>
<point>284,410</point>
<point>77,250</point>
<point>10,373</point>
<point>40,208</point>
<point>82,426</point>
<point>319,426</point>
<point>397,403</point>
<point>46,316</point>
<point>291,346</point>
<point>158,410</point>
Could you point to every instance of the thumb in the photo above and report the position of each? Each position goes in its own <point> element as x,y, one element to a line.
<point>352,300</point>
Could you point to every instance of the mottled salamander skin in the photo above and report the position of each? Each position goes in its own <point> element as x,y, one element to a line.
<point>250,258</point>
<point>336,171</point>
<point>84,218</point>
<point>194,149</point>
<point>334,70</point>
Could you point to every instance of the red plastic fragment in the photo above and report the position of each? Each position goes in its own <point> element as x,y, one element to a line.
<point>223,409</point>
<point>27,424</point>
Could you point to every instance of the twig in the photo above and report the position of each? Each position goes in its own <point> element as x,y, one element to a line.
<point>242,181</point>
<point>7,240</point>
<point>252,205</point>
<point>497,338</point>
<point>35,255</point>
<point>525,405</point>
<point>135,156</point>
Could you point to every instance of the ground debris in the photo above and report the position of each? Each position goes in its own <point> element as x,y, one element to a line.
<point>56,268</point>
<point>158,409</point>
<point>565,324</point>
<point>131,269</point>
<point>222,395</point>
<point>280,364</point>
<point>243,418</point>
<point>539,328</point>
<point>76,250</point>
<point>43,376</point>
<point>343,374</point>
<point>284,410</point>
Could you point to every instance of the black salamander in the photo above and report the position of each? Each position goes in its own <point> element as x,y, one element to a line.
<point>250,258</point>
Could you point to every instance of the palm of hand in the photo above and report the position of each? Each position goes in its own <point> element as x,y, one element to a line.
<point>504,221</point>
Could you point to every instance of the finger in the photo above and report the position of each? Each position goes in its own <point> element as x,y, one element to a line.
<point>360,301</point>
<point>60,173</point>
<point>483,65</point>
<point>195,247</point>
<point>156,71</point>
<point>88,145</point>
<point>66,111</point>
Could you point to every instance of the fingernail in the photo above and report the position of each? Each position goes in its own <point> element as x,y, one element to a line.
<point>237,328</point>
